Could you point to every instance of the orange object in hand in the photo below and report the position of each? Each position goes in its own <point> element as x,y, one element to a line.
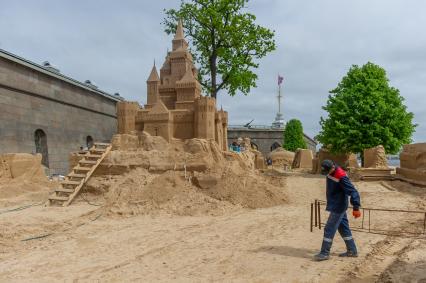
<point>356,213</point>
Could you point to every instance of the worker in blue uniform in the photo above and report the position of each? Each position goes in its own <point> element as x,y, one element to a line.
<point>339,189</point>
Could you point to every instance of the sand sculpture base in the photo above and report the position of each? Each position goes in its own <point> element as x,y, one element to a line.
<point>372,174</point>
<point>411,176</point>
<point>413,164</point>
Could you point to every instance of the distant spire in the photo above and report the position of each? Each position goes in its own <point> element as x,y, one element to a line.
<point>153,77</point>
<point>179,31</point>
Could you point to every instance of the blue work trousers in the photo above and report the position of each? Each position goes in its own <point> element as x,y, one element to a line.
<point>337,222</point>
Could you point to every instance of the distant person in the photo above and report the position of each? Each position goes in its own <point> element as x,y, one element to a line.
<point>339,189</point>
<point>235,147</point>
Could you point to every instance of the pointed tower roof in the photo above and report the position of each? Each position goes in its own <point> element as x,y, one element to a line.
<point>153,77</point>
<point>188,77</point>
<point>179,31</point>
<point>159,108</point>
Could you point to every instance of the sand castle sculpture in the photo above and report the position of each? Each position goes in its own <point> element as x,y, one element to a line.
<point>413,163</point>
<point>175,107</point>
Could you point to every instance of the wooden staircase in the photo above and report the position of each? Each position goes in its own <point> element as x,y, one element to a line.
<point>79,175</point>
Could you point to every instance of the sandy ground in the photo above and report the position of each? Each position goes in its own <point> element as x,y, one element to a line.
<point>243,245</point>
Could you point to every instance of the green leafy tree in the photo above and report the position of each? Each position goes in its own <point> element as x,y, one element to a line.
<point>363,112</point>
<point>226,42</point>
<point>293,135</point>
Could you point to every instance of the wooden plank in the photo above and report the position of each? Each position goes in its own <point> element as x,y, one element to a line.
<point>101,144</point>
<point>97,150</point>
<point>68,182</point>
<point>78,168</point>
<point>58,198</point>
<point>63,190</point>
<point>87,161</point>
<point>93,156</point>
<point>75,175</point>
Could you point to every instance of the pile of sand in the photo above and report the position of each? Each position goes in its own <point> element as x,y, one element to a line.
<point>139,192</point>
<point>182,177</point>
<point>21,174</point>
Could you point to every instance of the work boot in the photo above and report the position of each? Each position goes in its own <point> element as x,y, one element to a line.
<point>351,250</point>
<point>321,257</point>
<point>349,254</point>
<point>324,254</point>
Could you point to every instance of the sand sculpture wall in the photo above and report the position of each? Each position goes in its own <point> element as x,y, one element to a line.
<point>375,157</point>
<point>343,160</point>
<point>413,162</point>
<point>281,157</point>
<point>21,165</point>
<point>175,108</point>
<point>303,159</point>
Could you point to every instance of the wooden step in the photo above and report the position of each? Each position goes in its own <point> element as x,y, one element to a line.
<point>58,198</point>
<point>101,144</point>
<point>93,156</point>
<point>62,190</point>
<point>79,168</point>
<point>97,150</point>
<point>68,182</point>
<point>87,162</point>
<point>75,175</point>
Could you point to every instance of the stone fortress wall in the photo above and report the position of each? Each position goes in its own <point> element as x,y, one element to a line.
<point>46,112</point>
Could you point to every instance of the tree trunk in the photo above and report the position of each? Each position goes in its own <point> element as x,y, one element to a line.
<point>213,74</point>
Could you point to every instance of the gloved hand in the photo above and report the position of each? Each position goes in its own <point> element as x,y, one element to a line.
<point>356,213</point>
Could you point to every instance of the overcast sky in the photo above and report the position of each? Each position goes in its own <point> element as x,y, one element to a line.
<point>114,44</point>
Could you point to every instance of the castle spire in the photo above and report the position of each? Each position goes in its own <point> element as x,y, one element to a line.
<point>179,31</point>
<point>179,41</point>
<point>153,77</point>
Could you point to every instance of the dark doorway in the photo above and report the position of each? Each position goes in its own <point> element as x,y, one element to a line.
<point>275,145</point>
<point>40,140</point>
<point>89,142</point>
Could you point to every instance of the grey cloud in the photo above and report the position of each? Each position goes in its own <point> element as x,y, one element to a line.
<point>114,44</point>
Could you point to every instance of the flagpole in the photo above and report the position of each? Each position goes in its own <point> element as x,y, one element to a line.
<point>279,96</point>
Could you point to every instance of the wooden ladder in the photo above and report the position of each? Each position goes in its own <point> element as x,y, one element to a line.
<point>79,175</point>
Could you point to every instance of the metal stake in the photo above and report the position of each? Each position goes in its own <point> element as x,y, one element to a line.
<point>316,216</point>
<point>319,215</point>
<point>369,220</point>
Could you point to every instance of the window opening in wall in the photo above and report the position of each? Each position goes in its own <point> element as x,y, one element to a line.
<point>40,140</point>
<point>89,142</point>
